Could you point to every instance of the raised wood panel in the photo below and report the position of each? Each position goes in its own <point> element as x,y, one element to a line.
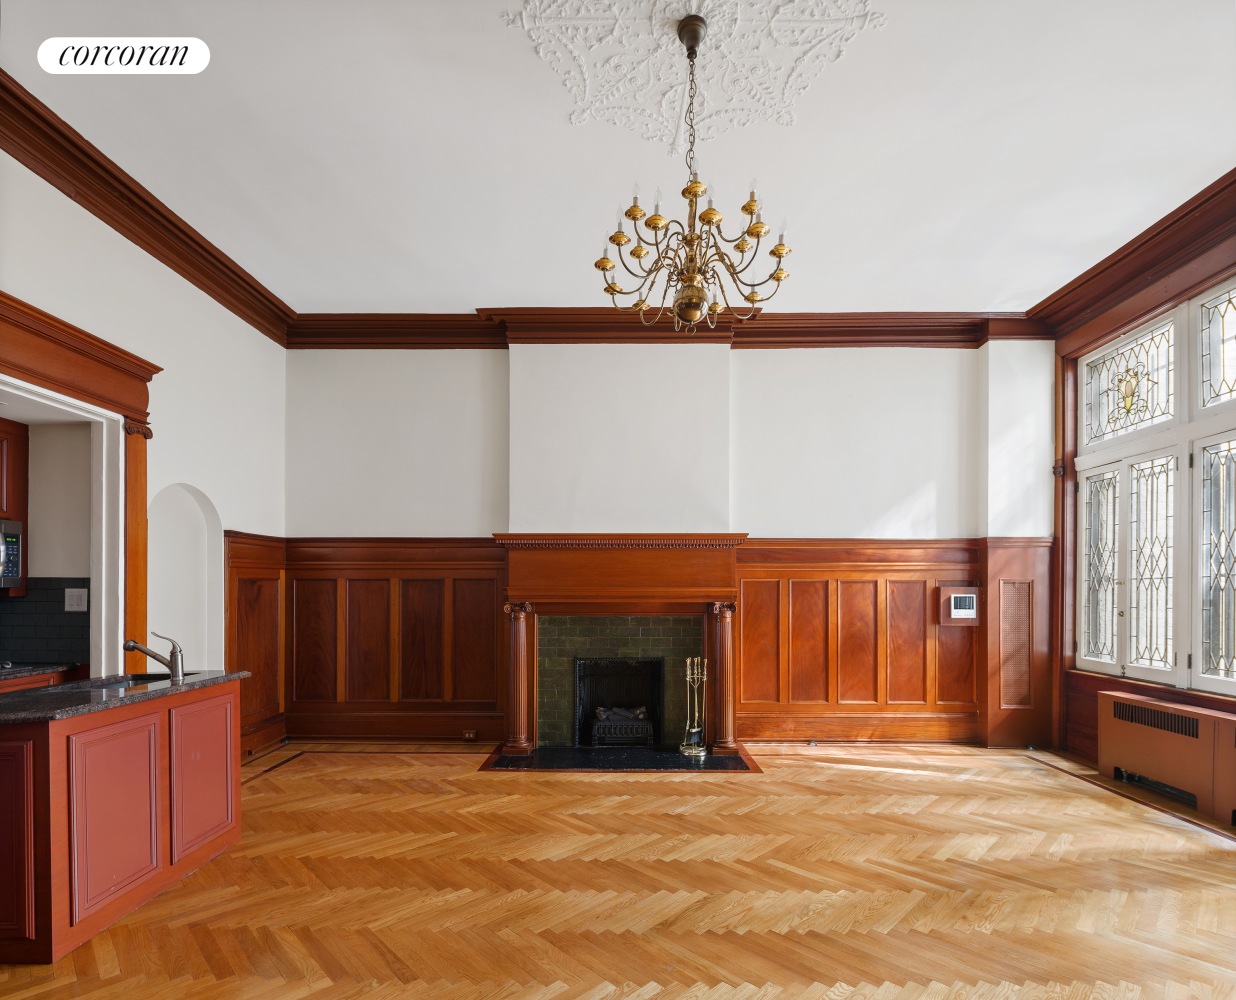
<point>474,613</point>
<point>858,675</point>
<point>368,640</point>
<point>421,629</point>
<point>907,641</point>
<point>808,666</point>
<point>759,642</point>
<point>314,640</point>
<point>17,839</point>
<point>257,645</point>
<point>879,727</point>
<point>114,824</point>
<point>955,665</point>
<point>203,773</point>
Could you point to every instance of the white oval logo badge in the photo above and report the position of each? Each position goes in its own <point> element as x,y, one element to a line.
<point>124,55</point>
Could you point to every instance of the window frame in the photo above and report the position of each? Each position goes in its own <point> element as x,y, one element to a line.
<point>1198,679</point>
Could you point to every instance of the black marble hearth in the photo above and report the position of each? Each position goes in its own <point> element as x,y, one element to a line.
<point>612,759</point>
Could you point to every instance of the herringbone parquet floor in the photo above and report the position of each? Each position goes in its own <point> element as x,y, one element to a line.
<point>880,874</point>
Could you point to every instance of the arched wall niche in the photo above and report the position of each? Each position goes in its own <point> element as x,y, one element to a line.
<point>185,575</point>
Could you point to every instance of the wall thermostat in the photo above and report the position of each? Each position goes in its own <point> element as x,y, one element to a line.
<point>963,606</point>
<point>959,605</point>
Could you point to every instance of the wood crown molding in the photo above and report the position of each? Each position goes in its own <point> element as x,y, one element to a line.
<point>40,140</point>
<point>37,347</point>
<point>1177,257</point>
<point>499,328</point>
<point>619,541</point>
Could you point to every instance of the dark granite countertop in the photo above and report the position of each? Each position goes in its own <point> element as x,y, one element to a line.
<point>62,701</point>
<point>33,669</point>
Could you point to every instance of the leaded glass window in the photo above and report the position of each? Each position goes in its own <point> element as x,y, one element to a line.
<point>1219,349</point>
<point>1219,560</point>
<point>1102,499</point>
<point>1151,562</point>
<point>1131,386</point>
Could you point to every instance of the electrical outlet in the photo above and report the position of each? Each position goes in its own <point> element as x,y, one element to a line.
<point>469,734</point>
<point>76,598</point>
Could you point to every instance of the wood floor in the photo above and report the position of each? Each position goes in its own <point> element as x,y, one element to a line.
<point>856,872</point>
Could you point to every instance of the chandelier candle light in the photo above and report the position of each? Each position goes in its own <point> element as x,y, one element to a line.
<point>690,260</point>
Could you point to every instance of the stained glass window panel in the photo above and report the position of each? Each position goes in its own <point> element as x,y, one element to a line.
<point>1219,349</point>
<point>1131,386</point>
<point>1102,500</point>
<point>1218,560</point>
<point>1151,562</point>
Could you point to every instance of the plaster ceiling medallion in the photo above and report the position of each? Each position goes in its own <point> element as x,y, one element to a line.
<point>620,58</point>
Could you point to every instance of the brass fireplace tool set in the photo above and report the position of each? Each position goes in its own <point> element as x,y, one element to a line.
<point>693,744</point>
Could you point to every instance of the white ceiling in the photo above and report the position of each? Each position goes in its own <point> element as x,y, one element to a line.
<point>417,155</point>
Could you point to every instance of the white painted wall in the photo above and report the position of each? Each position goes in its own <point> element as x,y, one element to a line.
<point>58,535</point>
<point>620,437</point>
<point>856,443</point>
<point>397,442</point>
<point>217,408</point>
<point>177,575</point>
<point>1016,487</point>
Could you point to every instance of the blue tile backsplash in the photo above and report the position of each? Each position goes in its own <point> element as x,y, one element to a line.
<point>37,629</point>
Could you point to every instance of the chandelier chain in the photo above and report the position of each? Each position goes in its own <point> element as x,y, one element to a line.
<point>690,120</point>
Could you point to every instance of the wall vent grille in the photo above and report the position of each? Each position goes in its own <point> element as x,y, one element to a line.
<point>1155,718</point>
<point>1015,641</point>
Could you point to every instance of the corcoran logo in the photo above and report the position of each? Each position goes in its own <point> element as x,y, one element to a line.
<point>124,55</point>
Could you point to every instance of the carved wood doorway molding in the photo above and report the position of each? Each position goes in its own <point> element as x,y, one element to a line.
<point>621,574</point>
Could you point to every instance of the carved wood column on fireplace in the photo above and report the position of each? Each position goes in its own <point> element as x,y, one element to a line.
<point>517,739</point>
<point>724,743</point>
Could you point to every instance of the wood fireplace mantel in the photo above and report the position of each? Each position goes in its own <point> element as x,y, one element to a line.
<point>621,574</point>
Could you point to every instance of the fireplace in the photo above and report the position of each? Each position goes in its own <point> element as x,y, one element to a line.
<point>608,683</point>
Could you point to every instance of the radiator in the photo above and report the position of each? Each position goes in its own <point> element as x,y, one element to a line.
<point>1225,770</point>
<point>1176,745</point>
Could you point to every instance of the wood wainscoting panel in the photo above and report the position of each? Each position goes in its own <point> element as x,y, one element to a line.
<point>907,641</point>
<point>203,773</point>
<point>420,638</point>
<point>17,839</point>
<point>955,665</point>
<point>114,826</point>
<point>858,666</point>
<point>368,640</point>
<point>255,632</point>
<point>865,658</point>
<point>314,640</point>
<point>759,641</point>
<point>421,628</point>
<point>474,638</point>
<point>808,654</point>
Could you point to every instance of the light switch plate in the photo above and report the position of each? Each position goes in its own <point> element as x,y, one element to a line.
<point>75,599</point>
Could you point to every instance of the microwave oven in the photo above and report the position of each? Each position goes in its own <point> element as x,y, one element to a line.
<point>10,554</point>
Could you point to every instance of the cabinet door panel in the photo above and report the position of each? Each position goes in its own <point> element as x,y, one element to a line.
<point>17,840</point>
<point>203,773</point>
<point>114,824</point>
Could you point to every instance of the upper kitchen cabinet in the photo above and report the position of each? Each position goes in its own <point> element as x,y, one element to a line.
<point>15,497</point>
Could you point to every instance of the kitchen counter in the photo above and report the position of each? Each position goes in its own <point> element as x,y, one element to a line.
<point>111,790</point>
<point>63,701</point>
<point>23,670</point>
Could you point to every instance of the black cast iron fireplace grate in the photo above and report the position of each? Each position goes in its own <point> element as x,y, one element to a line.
<point>617,682</point>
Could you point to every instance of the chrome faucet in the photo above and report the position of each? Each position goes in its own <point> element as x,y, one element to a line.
<point>174,661</point>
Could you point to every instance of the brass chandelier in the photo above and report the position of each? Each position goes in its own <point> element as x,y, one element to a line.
<point>693,260</point>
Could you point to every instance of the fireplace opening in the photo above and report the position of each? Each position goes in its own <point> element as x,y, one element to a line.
<point>620,688</point>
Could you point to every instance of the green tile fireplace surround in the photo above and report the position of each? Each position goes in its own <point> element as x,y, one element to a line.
<point>561,638</point>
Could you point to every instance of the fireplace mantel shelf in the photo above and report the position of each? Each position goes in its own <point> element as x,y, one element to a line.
<point>619,541</point>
